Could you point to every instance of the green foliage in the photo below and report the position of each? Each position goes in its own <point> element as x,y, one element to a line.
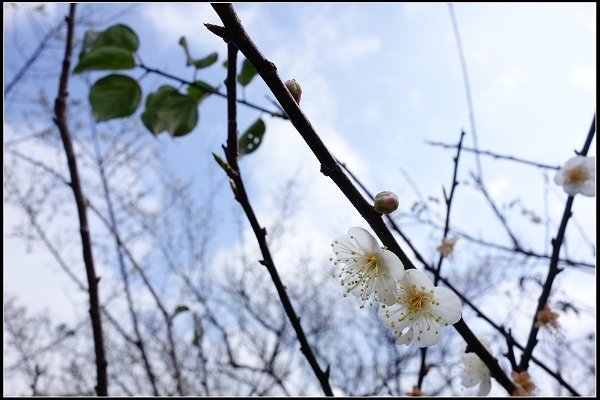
<point>252,138</point>
<point>201,62</point>
<point>199,91</point>
<point>246,74</point>
<point>167,109</point>
<point>105,58</point>
<point>111,49</point>
<point>179,309</point>
<point>114,96</point>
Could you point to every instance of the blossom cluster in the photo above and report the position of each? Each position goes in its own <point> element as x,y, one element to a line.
<point>411,306</point>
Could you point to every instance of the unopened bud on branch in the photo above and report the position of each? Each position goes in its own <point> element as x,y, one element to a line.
<point>386,202</point>
<point>294,89</point>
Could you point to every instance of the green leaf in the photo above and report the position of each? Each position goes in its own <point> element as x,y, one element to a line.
<point>199,91</point>
<point>225,63</point>
<point>112,48</point>
<point>183,43</point>
<point>206,61</point>
<point>252,138</point>
<point>118,35</point>
<point>246,74</point>
<point>179,309</point>
<point>103,58</point>
<point>200,63</point>
<point>167,109</point>
<point>114,96</point>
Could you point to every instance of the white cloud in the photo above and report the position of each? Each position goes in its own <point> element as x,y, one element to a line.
<point>511,80</point>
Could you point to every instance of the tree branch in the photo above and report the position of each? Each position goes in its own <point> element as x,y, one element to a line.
<point>494,155</point>
<point>553,270</point>
<point>60,110</point>
<point>237,186</point>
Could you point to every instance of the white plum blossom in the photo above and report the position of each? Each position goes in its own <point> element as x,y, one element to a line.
<point>475,372</point>
<point>421,310</point>
<point>578,176</point>
<point>368,268</point>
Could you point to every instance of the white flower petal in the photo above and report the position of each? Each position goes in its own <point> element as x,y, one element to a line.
<point>386,290</point>
<point>588,188</point>
<point>469,379</point>
<point>393,264</point>
<point>559,178</point>
<point>417,278</point>
<point>345,249</point>
<point>427,332</point>
<point>449,307</point>
<point>363,240</point>
<point>485,387</point>
<point>406,338</point>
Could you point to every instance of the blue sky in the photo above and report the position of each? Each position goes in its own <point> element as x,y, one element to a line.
<point>378,80</point>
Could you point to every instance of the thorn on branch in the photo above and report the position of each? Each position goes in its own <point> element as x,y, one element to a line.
<point>217,30</point>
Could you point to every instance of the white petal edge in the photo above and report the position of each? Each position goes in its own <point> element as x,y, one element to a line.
<point>392,264</point>
<point>366,242</point>
<point>450,307</point>
<point>485,387</point>
<point>417,278</point>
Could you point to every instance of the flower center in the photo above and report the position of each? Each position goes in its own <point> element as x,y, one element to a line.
<point>416,300</point>
<point>371,262</point>
<point>577,176</point>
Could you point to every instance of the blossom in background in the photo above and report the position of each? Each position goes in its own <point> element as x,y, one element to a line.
<point>578,176</point>
<point>524,384</point>
<point>447,246</point>
<point>386,202</point>
<point>548,319</point>
<point>368,268</point>
<point>475,372</point>
<point>415,392</point>
<point>421,310</point>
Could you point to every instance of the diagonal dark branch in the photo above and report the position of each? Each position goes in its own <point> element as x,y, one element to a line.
<point>553,270</point>
<point>494,155</point>
<point>329,167</point>
<point>239,191</point>
<point>60,118</point>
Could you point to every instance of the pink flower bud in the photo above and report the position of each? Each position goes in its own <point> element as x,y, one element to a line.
<point>294,89</point>
<point>386,202</point>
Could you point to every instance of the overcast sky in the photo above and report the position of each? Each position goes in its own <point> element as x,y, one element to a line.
<point>378,80</point>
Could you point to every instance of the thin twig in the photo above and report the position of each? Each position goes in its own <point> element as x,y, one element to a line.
<point>448,200</point>
<point>121,262</point>
<point>494,155</point>
<point>463,64</point>
<point>237,186</point>
<point>553,270</point>
<point>34,56</point>
<point>212,90</point>
<point>329,167</point>
<point>481,186</point>
<point>60,118</point>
